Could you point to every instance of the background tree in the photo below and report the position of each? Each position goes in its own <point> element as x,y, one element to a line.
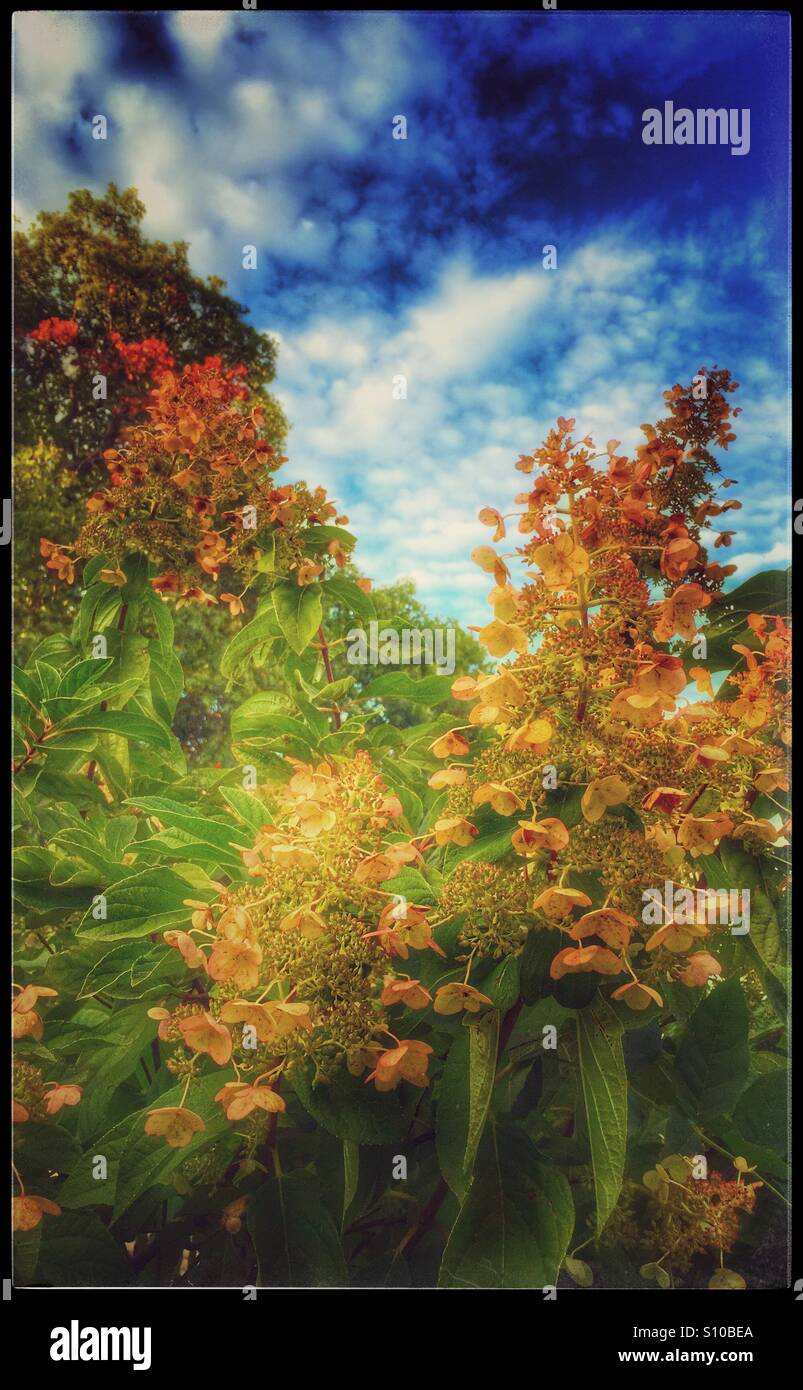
<point>92,270</point>
<point>93,295</point>
<point>397,607</point>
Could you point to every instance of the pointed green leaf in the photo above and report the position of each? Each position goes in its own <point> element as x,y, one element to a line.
<point>295,1238</point>
<point>298,611</point>
<point>261,629</point>
<point>713,1058</point>
<point>464,1098</point>
<point>604,1084</point>
<point>515,1224</point>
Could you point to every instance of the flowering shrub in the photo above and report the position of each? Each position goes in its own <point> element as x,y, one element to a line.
<point>191,489</point>
<point>444,1005</point>
<point>616,781</point>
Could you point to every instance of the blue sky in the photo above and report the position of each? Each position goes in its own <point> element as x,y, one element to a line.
<point>423,257</point>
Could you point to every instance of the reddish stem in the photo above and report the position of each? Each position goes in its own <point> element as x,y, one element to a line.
<point>508,1024</point>
<point>330,675</point>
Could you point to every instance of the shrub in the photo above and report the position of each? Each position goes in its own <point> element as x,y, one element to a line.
<point>442,1004</point>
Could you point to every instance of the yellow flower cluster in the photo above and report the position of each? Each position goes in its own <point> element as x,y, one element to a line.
<point>297,968</point>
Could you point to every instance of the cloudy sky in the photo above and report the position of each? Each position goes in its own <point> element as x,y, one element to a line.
<point>423,257</point>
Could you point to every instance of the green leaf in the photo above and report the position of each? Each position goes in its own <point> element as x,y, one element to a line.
<point>349,595</point>
<point>119,833</point>
<point>77,1249</point>
<point>398,685</point>
<point>92,569</point>
<point>298,611</point>
<point>335,690</point>
<point>135,567</point>
<point>343,741</point>
<point>162,620</point>
<point>61,708</point>
<point>410,883</point>
<point>515,1224</point>
<point>352,1110</point>
<point>260,726</point>
<point>266,564</point>
<point>316,537</point>
<point>131,665</point>
<point>540,948</point>
<point>254,717</point>
<point>527,1038</point>
<point>465,1094</point>
<point>316,721</point>
<point>774,979</point>
<point>248,808</point>
<point>726,1279</point>
<point>351,1174</point>
<point>295,1238</point>
<point>502,984</point>
<point>99,609</point>
<point>742,870</point>
<point>713,1058</point>
<point>167,683</point>
<point>762,1113</point>
<point>493,840</point>
<point>124,970</point>
<point>765,931</point>
<point>151,901</point>
<point>765,945</point>
<point>767,592</point>
<point>125,722</point>
<point>580,1272</point>
<point>109,1053</point>
<point>83,674</point>
<point>652,1270</point>
<point>411,802</point>
<point>604,1084</point>
<point>82,844</point>
<point>262,628</point>
<point>23,684</point>
<point>222,836</point>
<point>26,1255</point>
<point>44,1146</point>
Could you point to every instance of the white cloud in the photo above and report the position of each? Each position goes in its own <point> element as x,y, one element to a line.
<point>51,51</point>
<point>200,33</point>
<point>777,556</point>
<point>483,386</point>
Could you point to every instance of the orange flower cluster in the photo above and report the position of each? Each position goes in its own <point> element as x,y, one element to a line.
<point>191,487</point>
<point>597,716</point>
<point>60,332</point>
<point>150,357</point>
<point>25,1019</point>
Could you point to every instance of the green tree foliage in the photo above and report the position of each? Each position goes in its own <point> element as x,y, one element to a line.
<point>202,716</point>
